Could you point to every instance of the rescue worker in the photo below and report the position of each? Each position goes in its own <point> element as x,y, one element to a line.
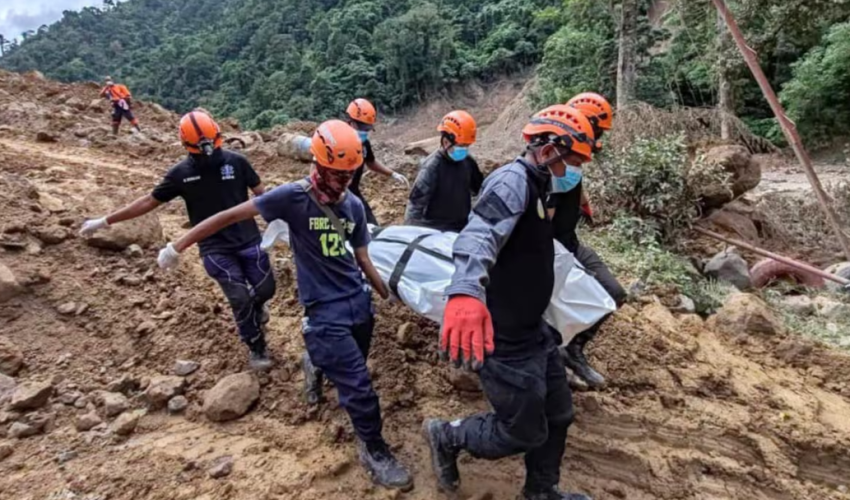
<point>361,115</point>
<point>211,180</point>
<point>569,207</point>
<point>122,104</point>
<point>441,197</point>
<point>323,216</point>
<point>493,322</point>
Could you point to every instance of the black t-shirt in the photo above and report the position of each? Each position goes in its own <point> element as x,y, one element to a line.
<point>368,156</point>
<point>209,186</point>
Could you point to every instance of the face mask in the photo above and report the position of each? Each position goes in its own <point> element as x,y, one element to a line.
<point>459,153</point>
<point>568,182</point>
<point>364,136</point>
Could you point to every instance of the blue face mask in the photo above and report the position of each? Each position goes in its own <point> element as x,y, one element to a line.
<point>364,136</point>
<point>568,182</point>
<point>459,153</point>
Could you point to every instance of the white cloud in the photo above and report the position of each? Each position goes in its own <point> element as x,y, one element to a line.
<point>18,16</point>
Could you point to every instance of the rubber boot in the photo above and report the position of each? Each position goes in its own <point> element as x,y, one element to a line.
<point>551,494</point>
<point>443,454</point>
<point>115,129</point>
<point>575,360</point>
<point>258,358</point>
<point>313,381</point>
<point>383,467</point>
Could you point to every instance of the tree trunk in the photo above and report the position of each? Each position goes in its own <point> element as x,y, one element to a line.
<point>626,63</point>
<point>725,101</point>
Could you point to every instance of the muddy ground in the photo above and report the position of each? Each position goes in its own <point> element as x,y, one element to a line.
<point>689,414</point>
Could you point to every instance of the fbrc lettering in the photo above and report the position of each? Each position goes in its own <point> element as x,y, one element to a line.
<point>324,224</point>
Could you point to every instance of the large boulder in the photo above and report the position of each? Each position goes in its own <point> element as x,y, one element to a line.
<point>231,397</point>
<point>745,174</point>
<point>144,231</point>
<point>745,313</point>
<point>9,286</point>
<point>729,267</point>
<point>11,358</point>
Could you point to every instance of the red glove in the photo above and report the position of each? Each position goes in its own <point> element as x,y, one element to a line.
<point>587,212</point>
<point>467,332</point>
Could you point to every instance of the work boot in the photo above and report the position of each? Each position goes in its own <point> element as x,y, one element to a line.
<point>552,493</point>
<point>258,359</point>
<point>383,467</point>
<point>443,454</point>
<point>575,360</point>
<point>313,380</point>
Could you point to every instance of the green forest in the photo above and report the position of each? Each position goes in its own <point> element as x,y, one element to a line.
<point>270,61</point>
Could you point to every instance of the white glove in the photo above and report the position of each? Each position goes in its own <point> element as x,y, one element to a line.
<point>401,179</point>
<point>168,257</point>
<point>92,226</point>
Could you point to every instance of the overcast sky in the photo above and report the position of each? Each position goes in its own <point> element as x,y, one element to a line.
<point>17,16</point>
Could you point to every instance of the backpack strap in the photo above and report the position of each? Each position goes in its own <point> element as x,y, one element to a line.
<point>307,186</point>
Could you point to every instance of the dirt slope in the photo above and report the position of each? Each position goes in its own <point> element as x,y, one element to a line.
<point>690,413</point>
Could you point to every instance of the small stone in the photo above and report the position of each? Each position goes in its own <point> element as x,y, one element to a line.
<point>184,368</point>
<point>20,430</point>
<point>52,235</point>
<point>131,280</point>
<point>801,305</point>
<point>44,136</point>
<point>135,250</point>
<point>87,422</point>
<point>146,327</point>
<point>125,385</point>
<point>685,306</point>
<point>66,456</point>
<point>7,387</point>
<point>69,398</point>
<point>407,334</point>
<point>11,358</point>
<point>5,451</point>
<point>114,403</point>
<point>9,286</point>
<point>161,389</point>
<point>82,309</point>
<point>221,467</point>
<point>126,423</point>
<point>728,266</point>
<point>231,397</point>
<point>841,488</point>
<point>177,404</point>
<point>81,403</point>
<point>31,396</point>
<point>746,313</point>
<point>67,308</point>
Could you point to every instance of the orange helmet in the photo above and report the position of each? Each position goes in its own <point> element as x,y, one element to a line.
<point>336,145</point>
<point>563,126</point>
<point>596,108</point>
<point>363,111</point>
<point>199,133</point>
<point>460,126</point>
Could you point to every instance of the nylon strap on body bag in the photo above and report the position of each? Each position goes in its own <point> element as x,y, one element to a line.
<point>307,186</point>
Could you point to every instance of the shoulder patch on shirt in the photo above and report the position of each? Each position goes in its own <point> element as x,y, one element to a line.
<point>228,173</point>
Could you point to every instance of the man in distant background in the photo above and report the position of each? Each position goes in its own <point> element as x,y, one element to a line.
<point>122,104</point>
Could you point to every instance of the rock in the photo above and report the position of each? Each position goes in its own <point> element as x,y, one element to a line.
<point>424,147</point>
<point>221,467</point>
<point>800,305</point>
<point>743,313</point>
<point>69,398</point>
<point>50,202</point>
<point>45,136</point>
<point>144,231</point>
<point>66,456</point>
<point>76,103</point>
<point>135,250</point>
<point>11,358</point>
<point>177,404</point>
<point>87,422</point>
<point>744,169</point>
<point>231,397</point>
<point>51,235</point>
<point>7,387</point>
<point>161,389</point>
<point>20,430</point>
<point>729,267</point>
<point>183,368</point>
<point>67,308</point>
<point>463,381</point>
<point>97,105</point>
<point>31,396</point>
<point>9,286</point>
<point>126,423</point>
<point>114,403</point>
<point>685,305</point>
<point>831,309</point>
<point>660,317</point>
<point>125,385</point>
<point>740,225</point>
<point>294,146</point>
<point>841,269</point>
<point>145,327</point>
<point>407,334</point>
<point>5,451</point>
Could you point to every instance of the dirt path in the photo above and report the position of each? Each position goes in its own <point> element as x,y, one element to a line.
<point>689,413</point>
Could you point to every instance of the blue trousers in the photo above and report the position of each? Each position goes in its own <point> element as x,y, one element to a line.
<point>248,283</point>
<point>338,336</point>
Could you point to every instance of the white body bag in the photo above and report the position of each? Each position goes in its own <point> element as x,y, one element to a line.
<point>416,264</point>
